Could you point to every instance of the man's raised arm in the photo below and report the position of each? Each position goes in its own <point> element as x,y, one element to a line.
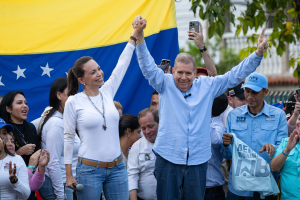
<point>152,73</point>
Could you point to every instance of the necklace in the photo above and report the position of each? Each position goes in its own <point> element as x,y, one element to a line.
<point>103,114</point>
<point>22,135</point>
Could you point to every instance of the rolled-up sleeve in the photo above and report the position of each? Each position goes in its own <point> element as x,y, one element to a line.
<point>133,168</point>
<point>152,73</point>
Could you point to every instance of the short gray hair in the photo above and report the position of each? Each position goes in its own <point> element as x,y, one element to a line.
<point>144,112</point>
<point>185,58</point>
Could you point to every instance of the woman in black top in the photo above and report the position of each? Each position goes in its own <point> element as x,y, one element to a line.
<point>14,110</point>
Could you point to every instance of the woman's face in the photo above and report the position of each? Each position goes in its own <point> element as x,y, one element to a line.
<point>93,75</point>
<point>63,97</point>
<point>135,135</point>
<point>10,143</point>
<point>3,132</point>
<point>2,143</point>
<point>19,110</point>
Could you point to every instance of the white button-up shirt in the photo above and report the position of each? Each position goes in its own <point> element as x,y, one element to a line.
<point>140,169</point>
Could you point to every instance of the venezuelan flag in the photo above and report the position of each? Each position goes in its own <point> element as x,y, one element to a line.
<point>40,41</point>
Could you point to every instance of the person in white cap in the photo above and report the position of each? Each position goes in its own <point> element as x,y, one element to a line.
<point>258,124</point>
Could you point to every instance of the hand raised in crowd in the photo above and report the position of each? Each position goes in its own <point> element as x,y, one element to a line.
<point>43,160</point>
<point>297,107</point>
<point>139,24</point>
<point>12,172</point>
<point>169,69</point>
<point>262,44</point>
<point>269,148</point>
<point>292,142</point>
<point>197,37</point>
<point>227,138</point>
<point>27,149</point>
<point>33,161</point>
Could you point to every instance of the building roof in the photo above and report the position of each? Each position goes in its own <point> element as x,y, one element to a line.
<point>283,80</point>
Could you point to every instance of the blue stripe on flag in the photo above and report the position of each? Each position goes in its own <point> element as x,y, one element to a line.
<point>134,92</point>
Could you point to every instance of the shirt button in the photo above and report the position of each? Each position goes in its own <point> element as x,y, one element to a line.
<point>253,117</point>
<point>253,140</point>
<point>298,165</point>
<point>253,130</point>
<point>298,187</point>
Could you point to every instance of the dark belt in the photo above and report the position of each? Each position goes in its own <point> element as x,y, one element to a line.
<point>102,164</point>
<point>213,189</point>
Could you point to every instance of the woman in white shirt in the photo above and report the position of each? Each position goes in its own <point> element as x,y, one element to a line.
<point>129,133</point>
<point>93,113</point>
<point>14,183</point>
<point>51,135</point>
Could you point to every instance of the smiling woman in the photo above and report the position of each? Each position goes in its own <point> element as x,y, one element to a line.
<point>14,110</point>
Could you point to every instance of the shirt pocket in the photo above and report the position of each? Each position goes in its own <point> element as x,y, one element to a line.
<point>290,166</point>
<point>146,161</point>
<point>238,127</point>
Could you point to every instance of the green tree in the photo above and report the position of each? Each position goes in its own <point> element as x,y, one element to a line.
<point>229,57</point>
<point>286,23</point>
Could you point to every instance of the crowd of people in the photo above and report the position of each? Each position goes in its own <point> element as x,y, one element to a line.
<point>178,148</point>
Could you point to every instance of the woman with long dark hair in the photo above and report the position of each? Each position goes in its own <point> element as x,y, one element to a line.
<point>14,110</point>
<point>96,118</point>
<point>51,134</point>
<point>129,133</point>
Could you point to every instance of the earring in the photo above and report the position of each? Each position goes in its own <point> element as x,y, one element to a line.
<point>128,136</point>
<point>84,84</point>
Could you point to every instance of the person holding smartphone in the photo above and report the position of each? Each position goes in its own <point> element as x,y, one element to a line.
<point>183,146</point>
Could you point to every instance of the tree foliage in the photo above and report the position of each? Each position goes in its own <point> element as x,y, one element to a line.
<point>286,22</point>
<point>229,57</point>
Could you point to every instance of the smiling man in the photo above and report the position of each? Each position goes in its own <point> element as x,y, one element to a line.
<point>258,124</point>
<point>183,144</point>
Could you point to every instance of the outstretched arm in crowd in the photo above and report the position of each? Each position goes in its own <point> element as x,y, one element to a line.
<point>232,78</point>
<point>279,159</point>
<point>293,119</point>
<point>208,61</point>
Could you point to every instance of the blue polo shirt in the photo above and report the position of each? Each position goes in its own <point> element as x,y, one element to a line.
<point>290,172</point>
<point>268,126</point>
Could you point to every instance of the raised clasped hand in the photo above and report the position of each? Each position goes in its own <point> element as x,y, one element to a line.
<point>139,24</point>
<point>262,44</point>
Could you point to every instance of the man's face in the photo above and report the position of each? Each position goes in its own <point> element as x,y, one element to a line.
<point>184,75</point>
<point>154,102</point>
<point>255,99</point>
<point>236,102</point>
<point>149,127</point>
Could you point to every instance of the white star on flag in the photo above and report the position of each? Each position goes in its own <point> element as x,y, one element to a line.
<point>20,72</point>
<point>47,70</point>
<point>66,74</point>
<point>1,82</point>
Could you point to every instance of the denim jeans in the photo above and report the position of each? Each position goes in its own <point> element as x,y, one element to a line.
<point>113,180</point>
<point>220,195</point>
<point>170,177</point>
<point>256,196</point>
<point>47,191</point>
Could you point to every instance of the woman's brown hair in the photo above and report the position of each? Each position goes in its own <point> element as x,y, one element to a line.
<point>76,72</point>
<point>5,148</point>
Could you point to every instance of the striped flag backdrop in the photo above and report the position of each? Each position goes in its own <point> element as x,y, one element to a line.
<point>40,41</point>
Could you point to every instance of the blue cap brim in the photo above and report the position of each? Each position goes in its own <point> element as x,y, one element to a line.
<point>253,87</point>
<point>8,127</point>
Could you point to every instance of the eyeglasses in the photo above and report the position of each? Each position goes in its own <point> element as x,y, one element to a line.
<point>9,141</point>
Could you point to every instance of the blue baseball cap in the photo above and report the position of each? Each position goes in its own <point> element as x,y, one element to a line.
<point>9,127</point>
<point>256,81</point>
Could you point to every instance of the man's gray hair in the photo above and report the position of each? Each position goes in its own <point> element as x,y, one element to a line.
<point>185,58</point>
<point>144,112</point>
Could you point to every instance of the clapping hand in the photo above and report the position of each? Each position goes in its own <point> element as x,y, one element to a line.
<point>44,158</point>
<point>33,161</point>
<point>262,44</point>
<point>12,172</point>
<point>293,140</point>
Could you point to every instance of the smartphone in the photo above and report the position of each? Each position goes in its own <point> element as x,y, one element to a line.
<point>298,95</point>
<point>164,65</point>
<point>194,26</point>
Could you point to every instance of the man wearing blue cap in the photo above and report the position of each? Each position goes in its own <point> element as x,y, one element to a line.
<point>258,124</point>
<point>7,127</point>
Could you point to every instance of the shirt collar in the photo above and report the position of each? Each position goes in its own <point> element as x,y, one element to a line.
<point>265,110</point>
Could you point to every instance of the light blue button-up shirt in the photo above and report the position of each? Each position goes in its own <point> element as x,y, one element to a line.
<point>290,172</point>
<point>268,126</point>
<point>214,175</point>
<point>184,123</point>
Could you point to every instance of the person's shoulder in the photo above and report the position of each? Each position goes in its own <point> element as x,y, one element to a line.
<point>16,159</point>
<point>137,144</point>
<point>56,119</point>
<point>32,126</point>
<point>275,110</point>
<point>218,124</point>
<point>238,110</point>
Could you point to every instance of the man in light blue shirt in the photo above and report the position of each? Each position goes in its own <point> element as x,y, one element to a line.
<point>183,144</point>
<point>258,124</point>
<point>214,177</point>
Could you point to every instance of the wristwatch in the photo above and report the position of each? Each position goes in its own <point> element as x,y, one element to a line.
<point>15,180</point>
<point>204,49</point>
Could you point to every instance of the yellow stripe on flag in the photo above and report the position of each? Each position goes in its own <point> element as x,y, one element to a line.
<point>41,26</point>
